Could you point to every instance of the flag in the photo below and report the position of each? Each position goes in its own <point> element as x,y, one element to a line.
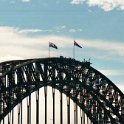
<point>52,45</point>
<point>76,44</point>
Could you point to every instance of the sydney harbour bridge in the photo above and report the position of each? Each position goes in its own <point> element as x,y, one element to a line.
<point>99,99</point>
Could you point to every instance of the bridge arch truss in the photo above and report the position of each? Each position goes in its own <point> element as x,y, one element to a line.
<point>99,98</point>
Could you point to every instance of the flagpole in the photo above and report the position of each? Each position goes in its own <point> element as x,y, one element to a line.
<point>74,51</point>
<point>49,51</point>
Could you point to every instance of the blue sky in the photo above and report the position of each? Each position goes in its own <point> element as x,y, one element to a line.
<point>26,27</point>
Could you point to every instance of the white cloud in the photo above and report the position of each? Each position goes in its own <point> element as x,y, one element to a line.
<point>25,1</point>
<point>80,29</point>
<point>61,28</point>
<point>106,5</point>
<point>26,31</point>
<point>72,30</point>
<point>14,43</point>
<point>75,30</point>
<point>110,47</point>
<point>30,30</point>
<point>108,72</point>
<point>77,2</point>
<point>9,57</point>
<point>121,87</point>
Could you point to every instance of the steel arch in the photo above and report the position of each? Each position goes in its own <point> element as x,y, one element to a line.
<point>96,95</point>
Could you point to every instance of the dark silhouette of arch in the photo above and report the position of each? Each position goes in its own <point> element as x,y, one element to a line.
<point>93,92</point>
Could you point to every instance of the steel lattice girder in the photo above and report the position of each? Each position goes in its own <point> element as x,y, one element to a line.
<point>96,95</point>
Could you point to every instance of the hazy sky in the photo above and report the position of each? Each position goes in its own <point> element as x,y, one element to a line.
<point>27,26</point>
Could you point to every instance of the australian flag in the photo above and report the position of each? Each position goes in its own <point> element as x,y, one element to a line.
<point>76,44</point>
<point>52,45</point>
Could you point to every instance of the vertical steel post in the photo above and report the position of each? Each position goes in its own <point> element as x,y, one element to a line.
<point>61,108</point>
<point>68,110</point>
<point>53,91</point>
<point>30,108</point>
<point>37,107</point>
<point>3,121</point>
<point>13,116</point>
<point>28,111</point>
<point>81,121</point>
<point>45,89</point>
<point>9,118</point>
<point>75,114</point>
<point>27,114</point>
<point>19,113</point>
<point>87,120</point>
<point>81,116</point>
<point>45,92</point>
